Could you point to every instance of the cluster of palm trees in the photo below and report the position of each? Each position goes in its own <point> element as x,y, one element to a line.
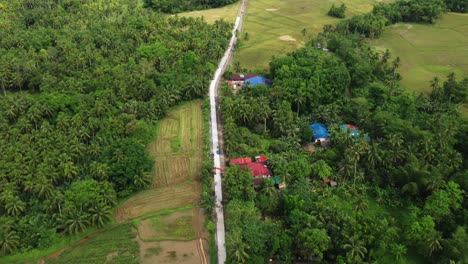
<point>73,86</point>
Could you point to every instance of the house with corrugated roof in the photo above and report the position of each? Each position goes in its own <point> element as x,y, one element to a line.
<point>237,80</point>
<point>259,167</point>
<point>320,133</point>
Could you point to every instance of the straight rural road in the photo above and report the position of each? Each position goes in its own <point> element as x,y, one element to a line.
<point>216,137</point>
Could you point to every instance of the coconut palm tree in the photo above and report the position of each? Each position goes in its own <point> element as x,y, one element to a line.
<point>237,67</point>
<point>356,248</point>
<point>100,214</point>
<point>264,111</point>
<point>361,205</point>
<point>300,98</point>
<point>143,180</point>
<point>43,187</point>
<point>268,187</point>
<point>237,248</point>
<point>434,242</point>
<point>398,251</point>
<point>9,241</point>
<point>75,222</point>
<point>207,201</point>
<point>15,206</point>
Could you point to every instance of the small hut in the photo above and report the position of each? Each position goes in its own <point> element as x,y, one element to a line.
<point>320,132</point>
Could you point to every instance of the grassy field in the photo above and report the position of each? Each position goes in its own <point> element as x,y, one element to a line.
<point>228,13</point>
<point>429,50</point>
<point>275,27</point>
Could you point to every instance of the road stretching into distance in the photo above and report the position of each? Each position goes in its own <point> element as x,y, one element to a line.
<point>216,138</point>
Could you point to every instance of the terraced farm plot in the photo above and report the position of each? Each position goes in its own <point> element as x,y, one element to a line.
<point>174,226</point>
<point>112,245</point>
<point>158,199</point>
<point>427,51</point>
<point>172,238</point>
<point>171,252</point>
<point>275,27</point>
<point>177,151</point>
<point>169,237</point>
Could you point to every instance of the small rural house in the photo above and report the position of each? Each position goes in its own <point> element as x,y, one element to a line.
<point>353,131</point>
<point>238,80</point>
<point>258,168</point>
<point>320,132</point>
<point>330,181</point>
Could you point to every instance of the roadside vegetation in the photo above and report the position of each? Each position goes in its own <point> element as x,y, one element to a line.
<point>401,183</point>
<point>82,89</point>
<point>177,6</point>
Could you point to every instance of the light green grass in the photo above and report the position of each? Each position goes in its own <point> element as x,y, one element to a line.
<point>179,229</point>
<point>427,51</point>
<point>164,227</point>
<point>286,17</point>
<point>175,144</point>
<point>153,251</point>
<point>227,13</point>
<point>113,245</point>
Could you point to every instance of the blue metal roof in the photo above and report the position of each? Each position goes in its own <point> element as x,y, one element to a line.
<point>319,130</point>
<point>257,80</point>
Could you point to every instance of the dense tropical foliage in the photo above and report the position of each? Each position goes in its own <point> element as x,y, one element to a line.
<point>177,6</point>
<point>83,83</point>
<point>457,5</point>
<point>402,184</point>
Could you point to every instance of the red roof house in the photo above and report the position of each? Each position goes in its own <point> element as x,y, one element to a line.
<point>259,169</point>
<point>261,158</point>
<point>240,161</point>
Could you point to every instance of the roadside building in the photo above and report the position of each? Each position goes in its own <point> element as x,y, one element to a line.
<point>238,80</point>
<point>259,167</point>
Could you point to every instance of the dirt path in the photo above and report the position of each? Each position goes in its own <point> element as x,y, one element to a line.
<point>198,224</point>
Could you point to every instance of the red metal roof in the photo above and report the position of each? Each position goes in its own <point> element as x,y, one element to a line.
<point>258,169</point>
<point>240,161</point>
<point>261,158</point>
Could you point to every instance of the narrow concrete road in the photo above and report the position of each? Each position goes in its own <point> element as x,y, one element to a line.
<point>216,141</point>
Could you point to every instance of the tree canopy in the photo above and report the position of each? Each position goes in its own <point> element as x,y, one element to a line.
<point>83,83</point>
<point>400,193</point>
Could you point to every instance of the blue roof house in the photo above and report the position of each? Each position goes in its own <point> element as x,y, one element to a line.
<point>321,133</point>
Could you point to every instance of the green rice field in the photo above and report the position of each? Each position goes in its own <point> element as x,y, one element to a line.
<point>276,27</point>
<point>427,51</point>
